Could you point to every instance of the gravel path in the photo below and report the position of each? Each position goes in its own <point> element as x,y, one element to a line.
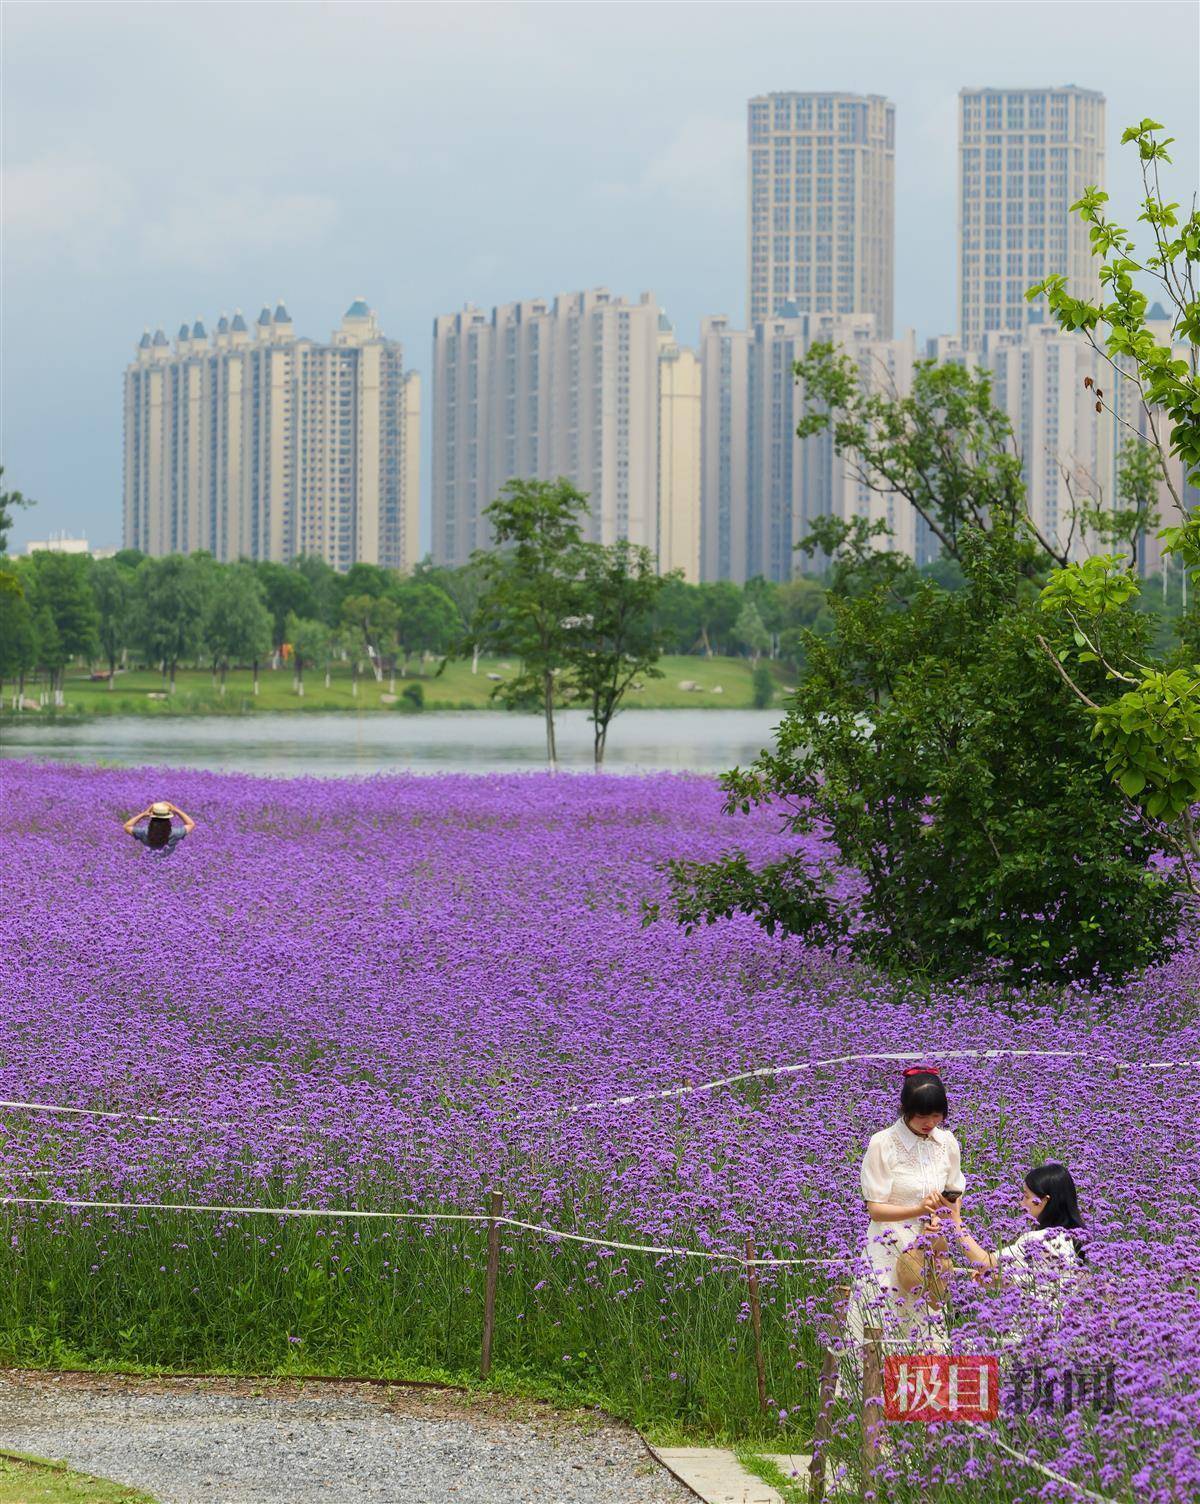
<point>216,1441</point>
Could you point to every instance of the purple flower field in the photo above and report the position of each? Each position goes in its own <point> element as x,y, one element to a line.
<point>391,993</point>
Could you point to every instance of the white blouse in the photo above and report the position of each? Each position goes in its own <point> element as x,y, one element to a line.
<point>901,1167</point>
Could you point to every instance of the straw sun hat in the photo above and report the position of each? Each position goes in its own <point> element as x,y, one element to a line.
<point>161,810</point>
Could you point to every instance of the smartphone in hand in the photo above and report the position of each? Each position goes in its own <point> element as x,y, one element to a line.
<point>951,1195</point>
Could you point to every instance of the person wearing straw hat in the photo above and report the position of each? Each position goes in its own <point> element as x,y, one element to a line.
<point>911,1170</point>
<point>160,833</point>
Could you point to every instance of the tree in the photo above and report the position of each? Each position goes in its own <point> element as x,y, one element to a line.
<point>750,632</point>
<point>9,501</point>
<point>18,644</point>
<point>719,603</point>
<point>677,614</point>
<point>931,739</point>
<point>612,639</point>
<point>946,448</point>
<point>1145,719</point>
<point>371,621</point>
<point>309,641</point>
<point>931,744</point>
<point>60,588</point>
<point>288,591</point>
<point>112,591</point>
<point>531,590</point>
<point>464,588</point>
<point>428,620</point>
<point>51,656</point>
<point>237,625</point>
<point>1115,324</point>
<point>324,583</point>
<point>801,606</point>
<point>168,611</point>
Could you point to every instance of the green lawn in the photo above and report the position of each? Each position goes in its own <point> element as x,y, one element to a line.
<point>725,683</point>
<point>33,1480</point>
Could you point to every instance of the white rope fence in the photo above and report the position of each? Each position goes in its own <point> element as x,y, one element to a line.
<point>1048,1472</point>
<point>331,1213</point>
<point>663,1094</point>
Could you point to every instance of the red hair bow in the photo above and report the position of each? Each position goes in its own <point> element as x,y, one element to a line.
<point>922,1070</point>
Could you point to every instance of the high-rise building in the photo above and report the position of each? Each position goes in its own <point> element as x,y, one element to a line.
<point>255,443</point>
<point>568,387</point>
<point>761,487</point>
<point>821,213</point>
<point>678,540</point>
<point>1025,156</point>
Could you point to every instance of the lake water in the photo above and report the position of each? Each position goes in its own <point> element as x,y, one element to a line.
<point>332,745</point>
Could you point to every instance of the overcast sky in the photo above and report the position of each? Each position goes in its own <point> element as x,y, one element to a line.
<point>166,162</point>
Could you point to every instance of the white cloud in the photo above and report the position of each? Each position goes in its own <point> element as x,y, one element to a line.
<point>63,206</point>
<point>79,209</point>
<point>200,229</point>
<point>702,162</point>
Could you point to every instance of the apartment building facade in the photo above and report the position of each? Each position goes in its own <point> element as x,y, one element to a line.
<point>821,212</point>
<point>255,443</point>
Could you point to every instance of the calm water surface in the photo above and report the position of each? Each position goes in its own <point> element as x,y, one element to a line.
<point>332,745</point>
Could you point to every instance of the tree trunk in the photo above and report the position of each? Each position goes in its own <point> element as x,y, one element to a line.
<point>172,676</point>
<point>299,678</point>
<point>474,657</point>
<point>214,676</point>
<point>163,667</point>
<point>256,676</point>
<point>20,690</point>
<point>112,672</point>
<point>354,680</point>
<point>326,676</point>
<point>224,668</point>
<point>392,673</point>
<point>548,704</point>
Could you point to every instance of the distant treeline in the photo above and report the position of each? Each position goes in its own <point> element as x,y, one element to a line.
<point>191,610</point>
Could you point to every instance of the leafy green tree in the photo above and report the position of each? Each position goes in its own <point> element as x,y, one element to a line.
<point>1144,718</point>
<point>52,657</point>
<point>932,739</point>
<point>531,590</point>
<point>60,586</point>
<point>945,448</point>
<point>428,620</point>
<point>18,643</point>
<point>1115,324</point>
<point>237,625</point>
<point>9,502</point>
<point>677,615</point>
<point>288,591</point>
<point>612,639</point>
<point>309,641</point>
<point>719,603</point>
<point>932,745</point>
<point>801,607</point>
<point>762,687</point>
<point>464,587</point>
<point>371,620</point>
<point>324,583</point>
<point>112,591</point>
<point>749,632</point>
<point>168,611</point>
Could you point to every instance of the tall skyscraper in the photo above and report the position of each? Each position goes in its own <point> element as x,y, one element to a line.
<point>821,214</point>
<point>1025,156</point>
<point>543,388</point>
<point>256,443</point>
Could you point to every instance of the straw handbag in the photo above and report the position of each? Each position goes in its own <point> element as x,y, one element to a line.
<point>926,1268</point>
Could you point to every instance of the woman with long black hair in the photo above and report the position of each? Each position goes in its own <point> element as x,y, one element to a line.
<point>1052,1247</point>
<point>160,833</point>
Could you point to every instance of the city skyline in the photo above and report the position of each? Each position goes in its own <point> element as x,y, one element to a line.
<point>98,244</point>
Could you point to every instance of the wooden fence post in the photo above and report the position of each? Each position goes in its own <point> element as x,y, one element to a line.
<point>826,1388</point>
<point>872,1402</point>
<point>489,1285</point>
<point>756,1322</point>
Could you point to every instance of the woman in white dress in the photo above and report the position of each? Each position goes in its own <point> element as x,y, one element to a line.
<point>906,1169</point>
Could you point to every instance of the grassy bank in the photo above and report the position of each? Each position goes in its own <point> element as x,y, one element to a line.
<point>35,1480</point>
<point>723,683</point>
